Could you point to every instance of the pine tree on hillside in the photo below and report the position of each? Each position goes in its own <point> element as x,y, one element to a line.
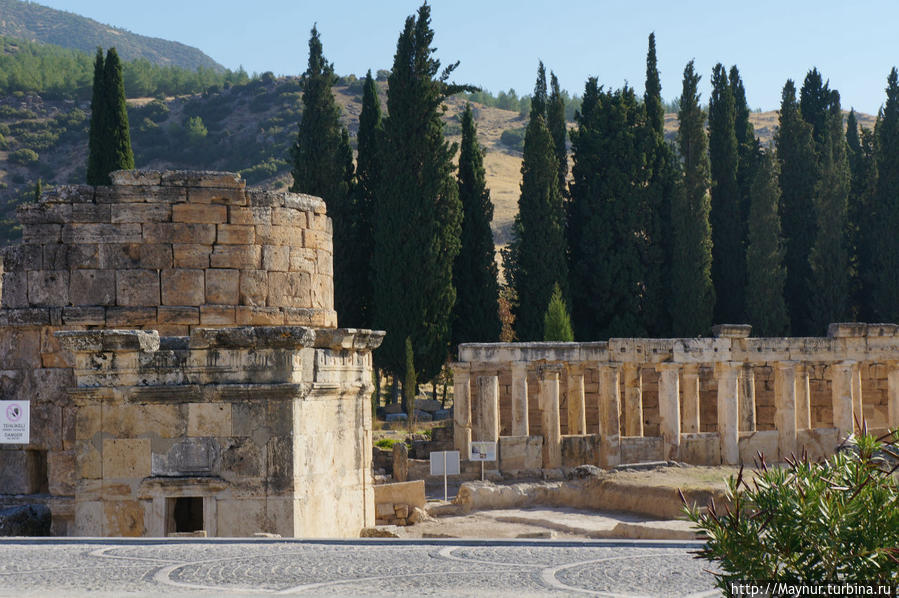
<point>417,213</point>
<point>829,258</point>
<point>535,259</point>
<point>555,120</point>
<point>476,313</point>
<point>728,251</point>
<point>608,215</point>
<point>692,293</point>
<point>797,165</point>
<point>109,141</point>
<point>368,165</point>
<point>95,140</point>
<point>663,182</point>
<point>884,253</point>
<point>765,274</point>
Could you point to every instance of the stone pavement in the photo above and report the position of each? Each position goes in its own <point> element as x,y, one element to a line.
<point>248,567</point>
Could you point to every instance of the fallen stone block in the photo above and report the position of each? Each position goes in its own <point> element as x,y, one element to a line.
<point>380,531</point>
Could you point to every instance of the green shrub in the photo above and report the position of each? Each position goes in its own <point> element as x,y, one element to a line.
<point>556,322</point>
<point>513,138</point>
<point>23,156</point>
<point>837,520</point>
<point>386,443</point>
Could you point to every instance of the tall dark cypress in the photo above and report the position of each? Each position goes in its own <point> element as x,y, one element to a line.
<point>476,313</point>
<point>814,103</point>
<point>417,213</point>
<point>884,254</point>
<point>728,251</point>
<point>555,120</point>
<point>95,143</point>
<point>368,166</point>
<point>109,138</point>
<point>829,257</point>
<point>765,274</point>
<point>692,292</point>
<point>748,146</point>
<point>535,259</point>
<point>797,164</point>
<point>608,215</point>
<point>663,182</point>
<point>119,156</point>
<point>863,177</point>
<point>320,168</point>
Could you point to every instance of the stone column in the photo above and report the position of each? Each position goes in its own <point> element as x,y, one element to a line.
<point>803,398</point>
<point>857,405</point>
<point>785,407</point>
<point>747,398</point>
<point>519,398</point>
<point>549,412</point>
<point>487,422</point>
<point>577,410</point>
<point>690,407</point>
<point>669,408</point>
<point>609,410</point>
<point>461,408</point>
<point>728,374</point>
<point>633,399</point>
<point>841,376</point>
<point>893,396</point>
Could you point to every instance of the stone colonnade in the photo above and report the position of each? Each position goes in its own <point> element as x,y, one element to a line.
<point>617,433</point>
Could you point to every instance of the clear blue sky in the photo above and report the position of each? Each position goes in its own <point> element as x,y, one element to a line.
<point>853,44</point>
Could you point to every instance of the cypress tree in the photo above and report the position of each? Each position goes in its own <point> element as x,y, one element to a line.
<point>556,323</point>
<point>608,216</point>
<point>96,139</point>
<point>320,168</point>
<point>555,120</point>
<point>535,259</point>
<point>748,146</point>
<point>884,253</point>
<point>863,177</point>
<point>814,104</point>
<point>765,274</point>
<point>829,258</point>
<point>418,214</point>
<point>663,176</point>
<point>410,383</point>
<point>109,138</point>
<point>728,253</point>
<point>476,313</point>
<point>368,165</point>
<point>796,162</point>
<point>692,293</point>
<point>119,156</point>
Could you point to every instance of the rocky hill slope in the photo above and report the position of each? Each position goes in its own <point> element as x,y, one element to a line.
<point>34,22</point>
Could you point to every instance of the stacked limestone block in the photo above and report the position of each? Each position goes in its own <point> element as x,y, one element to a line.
<point>269,426</point>
<point>168,251</point>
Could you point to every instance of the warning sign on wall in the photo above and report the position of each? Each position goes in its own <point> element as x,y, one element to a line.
<point>15,424</point>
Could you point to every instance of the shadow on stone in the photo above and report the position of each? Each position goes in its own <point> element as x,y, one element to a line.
<point>25,520</point>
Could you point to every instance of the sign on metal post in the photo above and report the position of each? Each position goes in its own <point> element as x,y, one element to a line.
<point>446,463</point>
<point>15,422</point>
<point>482,450</point>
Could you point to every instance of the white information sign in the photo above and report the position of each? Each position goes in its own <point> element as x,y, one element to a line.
<point>15,425</point>
<point>445,462</point>
<point>482,450</point>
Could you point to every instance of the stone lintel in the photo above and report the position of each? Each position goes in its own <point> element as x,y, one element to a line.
<point>731,330</point>
<point>180,486</point>
<point>91,341</point>
<point>537,351</point>
<point>184,393</point>
<point>847,329</point>
<point>641,350</point>
<point>348,338</point>
<point>258,392</point>
<point>253,337</point>
<point>81,395</point>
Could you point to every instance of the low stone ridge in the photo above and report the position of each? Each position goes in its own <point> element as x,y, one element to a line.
<point>25,520</point>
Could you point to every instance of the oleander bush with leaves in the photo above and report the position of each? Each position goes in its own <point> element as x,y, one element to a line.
<point>835,520</point>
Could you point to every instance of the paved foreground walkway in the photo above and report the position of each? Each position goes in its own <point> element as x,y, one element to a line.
<point>109,567</point>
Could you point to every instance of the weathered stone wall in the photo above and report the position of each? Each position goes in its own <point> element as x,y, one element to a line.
<point>168,251</point>
<point>269,426</point>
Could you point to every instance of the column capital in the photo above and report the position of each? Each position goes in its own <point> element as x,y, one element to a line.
<point>726,368</point>
<point>461,367</point>
<point>668,365</point>
<point>549,370</point>
<point>690,370</point>
<point>786,365</point>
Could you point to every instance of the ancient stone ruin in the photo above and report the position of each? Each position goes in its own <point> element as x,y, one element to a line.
<point>176,336</point>
<point>704,401</point>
